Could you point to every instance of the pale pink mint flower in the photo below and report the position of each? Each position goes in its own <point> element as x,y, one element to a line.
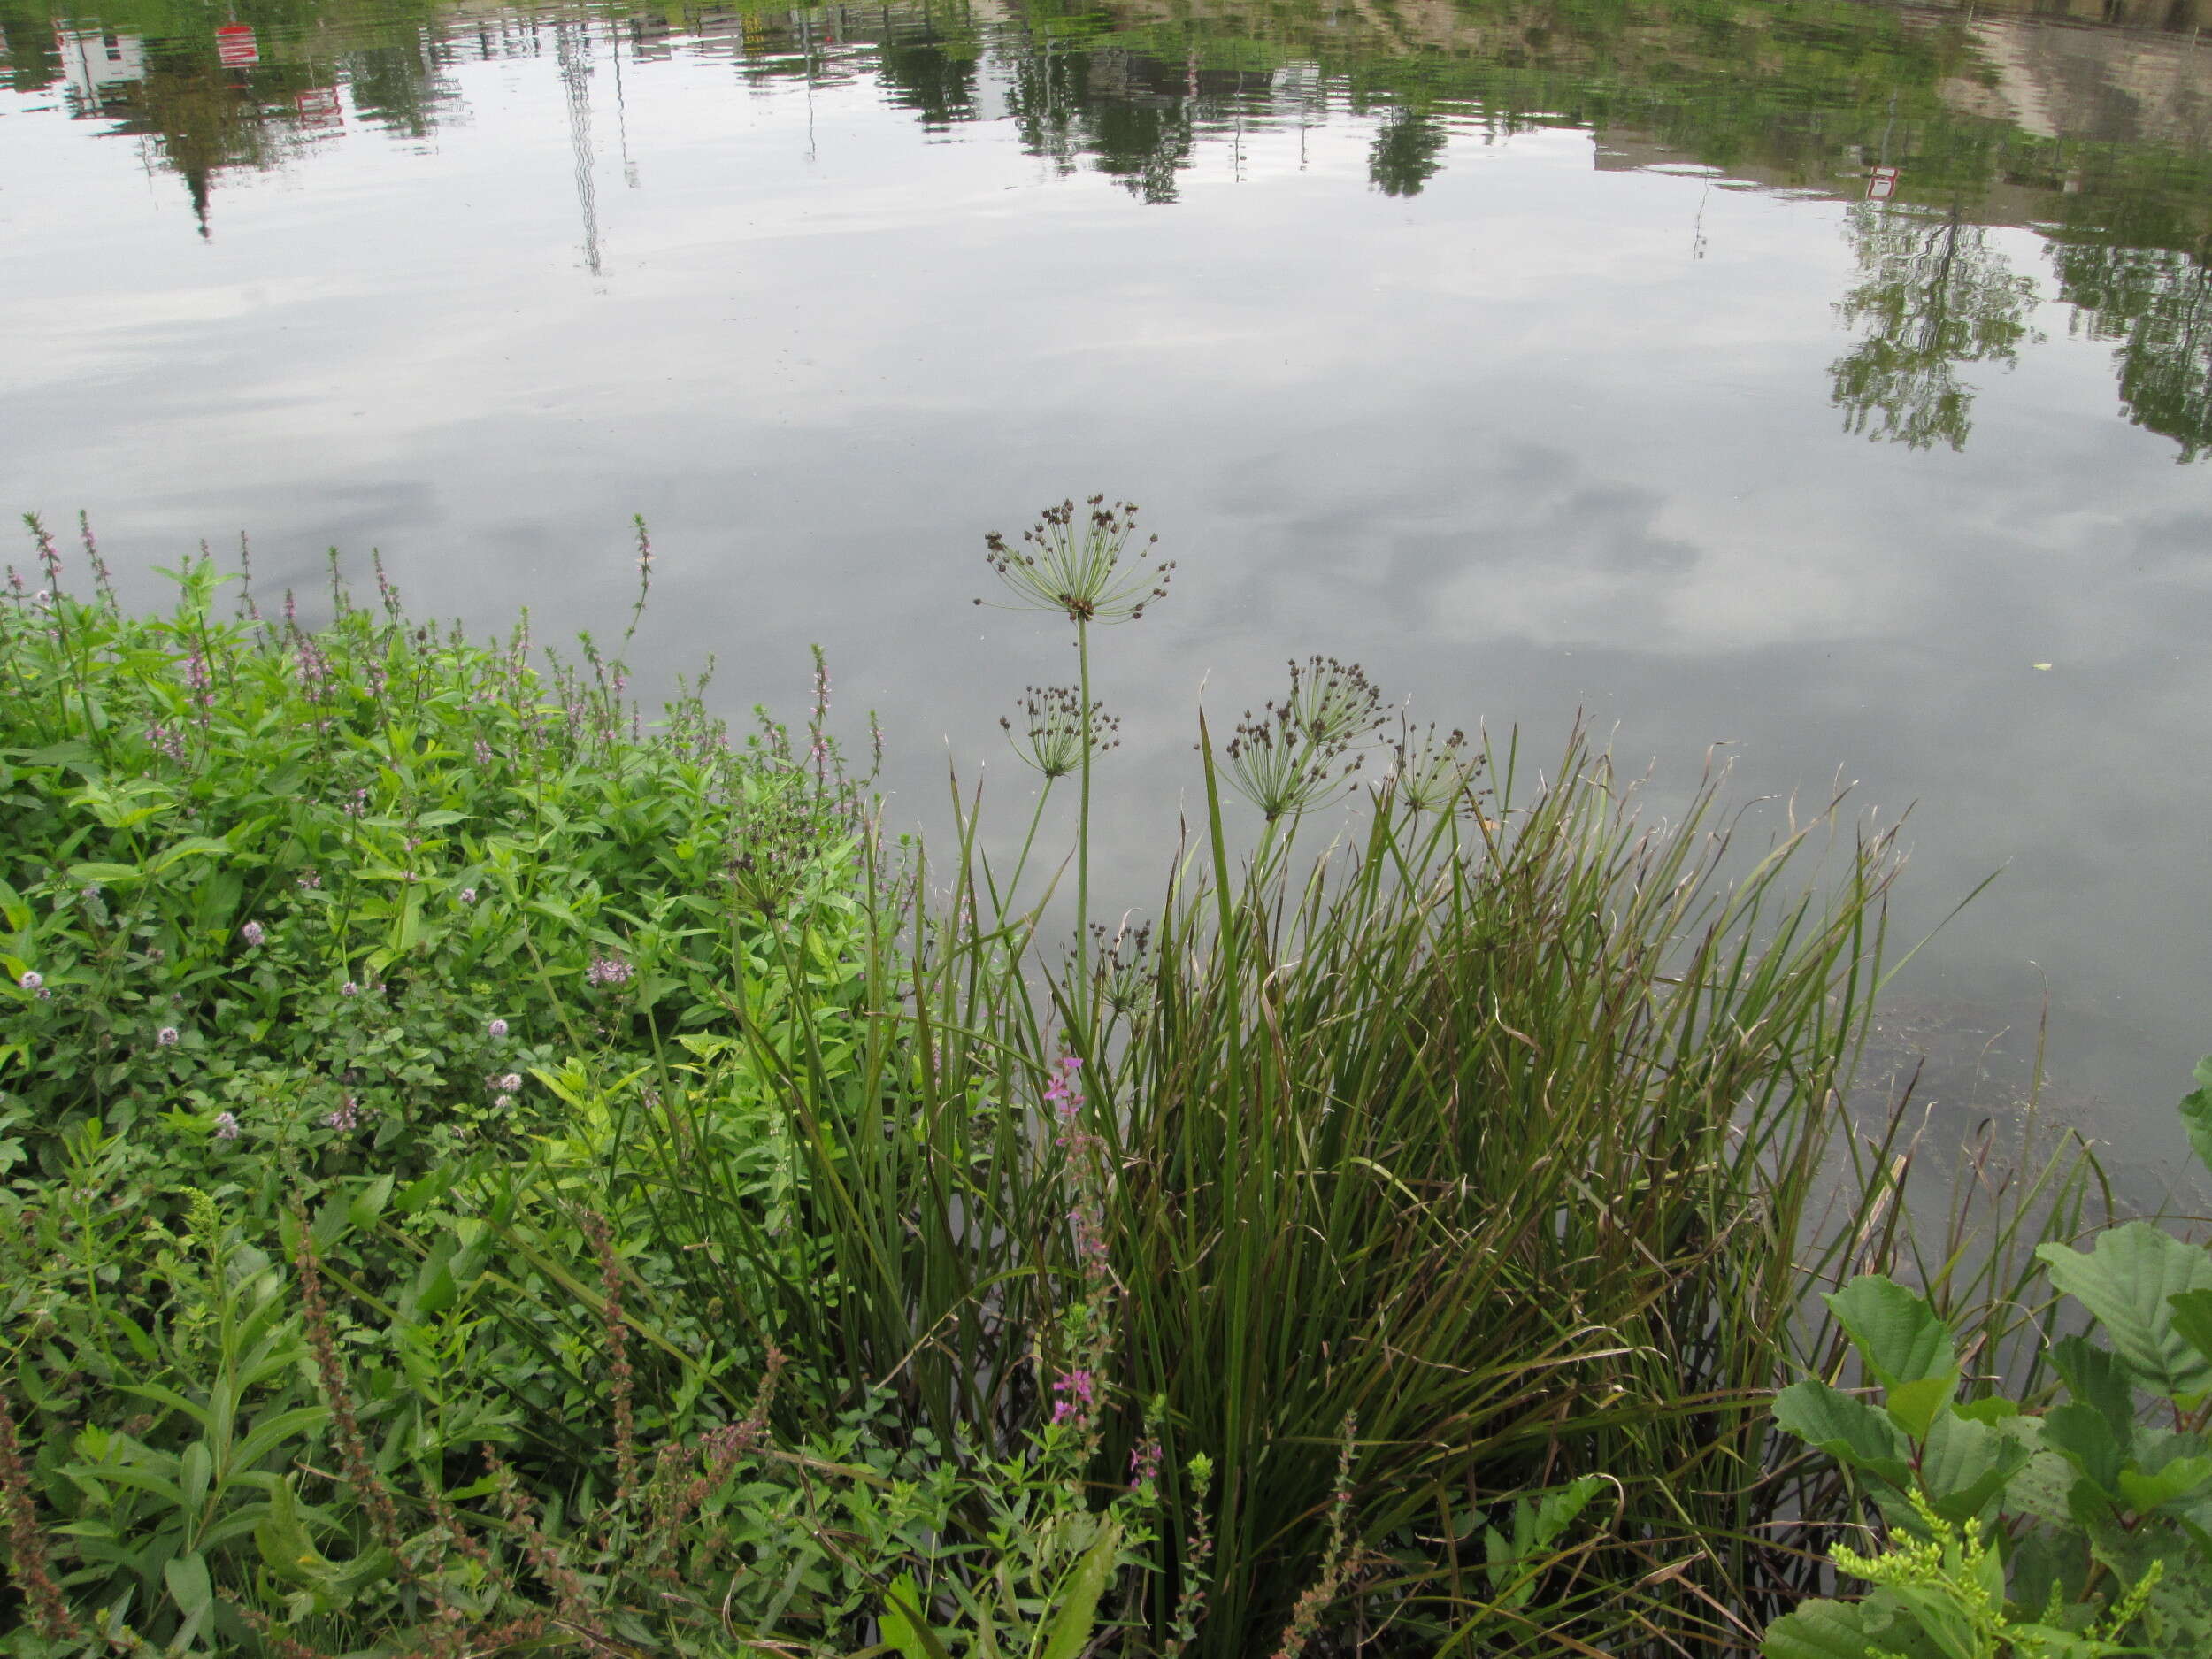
<point>167,1037</point>
<point>345,1116</point>
<point>607,971</point>
<point>497,1028</point>
<point>32,979</point>
<point>226,1126</point>
<point>251,933</point>
<point>508,1083</point>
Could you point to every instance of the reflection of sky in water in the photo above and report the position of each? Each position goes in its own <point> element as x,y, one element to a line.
<point>1540,437</point>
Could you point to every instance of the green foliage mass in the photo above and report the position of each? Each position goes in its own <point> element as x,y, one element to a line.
<point>2080,1528</point>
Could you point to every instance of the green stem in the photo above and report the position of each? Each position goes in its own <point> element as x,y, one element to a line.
<point>1083,844</point>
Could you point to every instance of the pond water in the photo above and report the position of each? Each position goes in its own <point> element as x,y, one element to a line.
<point>1829,380</point>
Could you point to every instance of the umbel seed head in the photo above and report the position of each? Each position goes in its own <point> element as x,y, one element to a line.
<point>1086,570</point>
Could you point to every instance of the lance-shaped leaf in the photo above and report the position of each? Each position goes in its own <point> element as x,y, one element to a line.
<point>2127,1282</point>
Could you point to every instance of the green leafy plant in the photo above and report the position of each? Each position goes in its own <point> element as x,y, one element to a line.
<point>2068,1527</point>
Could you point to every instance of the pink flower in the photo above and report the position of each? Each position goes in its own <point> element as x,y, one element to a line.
<point>607,971</point>
<point>1076,1390</point>
<point>167,1037</point>
<point>251,933</point>
<point>32,979</point>
<point>226,1126</point>
<point>497,1028</point>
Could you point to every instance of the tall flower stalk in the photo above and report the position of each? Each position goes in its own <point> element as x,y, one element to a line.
<point>1082,567</point>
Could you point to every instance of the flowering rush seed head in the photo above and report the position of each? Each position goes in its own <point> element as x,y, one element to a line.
<point>1079,563</point>
<point>1050,736</point>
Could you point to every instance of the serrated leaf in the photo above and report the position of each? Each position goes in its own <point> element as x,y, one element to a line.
<point>2096,1376</point>
<point>2081,1435</point>
<point>2179,1479</point>
<point>1820,1630</point>
<point>1965,1465</point>
<point>1070,1629</point>
<point>2192,1317</point>
<point>1847,1428</point>
<point>2126,1281</point>
<point>1904,1343</point>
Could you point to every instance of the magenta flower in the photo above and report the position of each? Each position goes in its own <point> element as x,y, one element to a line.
<point>1076,1390</point>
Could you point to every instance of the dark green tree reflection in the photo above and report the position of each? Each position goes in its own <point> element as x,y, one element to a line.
<point>1934,295</point>
<point>1408,152</point>
<point>2157,303</point>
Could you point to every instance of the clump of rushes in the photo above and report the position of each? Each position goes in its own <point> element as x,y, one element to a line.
<point>1081,565</point>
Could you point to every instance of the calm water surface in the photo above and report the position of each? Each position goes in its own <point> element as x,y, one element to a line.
<point>1830,380</point>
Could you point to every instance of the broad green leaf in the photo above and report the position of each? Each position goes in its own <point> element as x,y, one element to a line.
<point>1904,1343</point>
<point>2127,1282</point>
<point>190,1586</point>
<point>1820,1630</point>
<point>1848,1429</point>
<point>2081,1435</point>
<point>368,1204</point>
<point>1070,1628</point>
<point>2179,1479</point>
<point>2192,1317</point>
<point>1965,1464</point>
<point>2196,1112</point>
<point>2096,1376</point>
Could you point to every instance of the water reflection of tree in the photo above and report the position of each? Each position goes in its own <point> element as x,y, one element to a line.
<point>1935,295</point>
<point>1408,151</point>
<point>2157,303</point>
<point>930,68</point>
